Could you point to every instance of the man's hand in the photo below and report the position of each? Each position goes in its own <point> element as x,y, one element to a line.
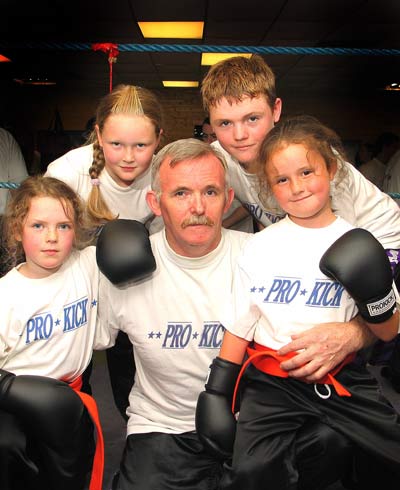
<point>323,347</point>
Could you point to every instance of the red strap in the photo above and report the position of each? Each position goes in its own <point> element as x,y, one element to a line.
<point>96,480</point>
<point>268,361</point>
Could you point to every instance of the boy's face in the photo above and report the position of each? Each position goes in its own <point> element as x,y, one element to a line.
<point>241,127</point>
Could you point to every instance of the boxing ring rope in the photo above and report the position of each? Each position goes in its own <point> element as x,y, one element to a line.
<point>204,48</point>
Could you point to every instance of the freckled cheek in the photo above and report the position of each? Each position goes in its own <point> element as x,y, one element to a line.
<point>68,240</point>
<point>31,245</point>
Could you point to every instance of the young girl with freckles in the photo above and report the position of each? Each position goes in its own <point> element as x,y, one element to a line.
<point>279,290</point>
<point>111,174</point>
<point>47,336</point>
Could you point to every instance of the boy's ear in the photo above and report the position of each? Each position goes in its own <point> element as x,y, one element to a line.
<point>277,110</point>
<point>153,202</point>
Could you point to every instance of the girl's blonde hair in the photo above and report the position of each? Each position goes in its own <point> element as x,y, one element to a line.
<point>312,134</point>
<point>18,207</point>
<point>126,100</point>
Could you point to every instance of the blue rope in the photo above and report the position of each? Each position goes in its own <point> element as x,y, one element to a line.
<point>196,48</point>
<point>12,185</point>
<point>8,185</point>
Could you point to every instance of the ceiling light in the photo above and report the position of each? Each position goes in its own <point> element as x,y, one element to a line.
<point>181,30</point>
<point>4,59</point>
<point>208,59</point>
<point>393,86</point>
<point>170,83</point>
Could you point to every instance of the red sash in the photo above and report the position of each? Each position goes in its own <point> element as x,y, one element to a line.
<point>268,361</point>
<point>98,461</point>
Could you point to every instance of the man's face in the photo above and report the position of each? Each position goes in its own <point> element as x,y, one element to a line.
<point>241,127</point>
<point>192,202</point>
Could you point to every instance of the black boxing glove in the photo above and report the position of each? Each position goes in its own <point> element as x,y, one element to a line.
<point>360,264</point>
<point>123,251</point>
<point>49,407</point>
<point>215,422</point>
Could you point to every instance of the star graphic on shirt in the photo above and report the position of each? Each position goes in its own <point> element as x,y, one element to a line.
<point>303,292</point>
<point>261,289</point>
<point>253,289</point>
<point>151,335</point>
<point>94,302</point>
<point>158,335</point>
<point>58,321</point>
<point>195,335</point>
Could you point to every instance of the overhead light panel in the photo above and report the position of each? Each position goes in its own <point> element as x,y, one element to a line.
<point>208,59</point>
<point>178,30</point>
<point>171,83</point>
<point>4,59</point>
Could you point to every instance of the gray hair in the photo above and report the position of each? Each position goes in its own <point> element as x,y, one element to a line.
<point>179,151</point>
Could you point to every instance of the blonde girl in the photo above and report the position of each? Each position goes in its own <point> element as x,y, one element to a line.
<point>111,173</point>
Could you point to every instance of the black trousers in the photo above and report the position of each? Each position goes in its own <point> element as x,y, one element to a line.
<point>273,411</point>
<point>158,461</point>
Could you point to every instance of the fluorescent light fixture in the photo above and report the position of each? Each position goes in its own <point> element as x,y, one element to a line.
<point>171,83</point>
<point>178,30</point>
<point>4,59</point>
<point>208,59</point>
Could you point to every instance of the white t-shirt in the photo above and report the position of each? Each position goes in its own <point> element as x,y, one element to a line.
<point>355,199</point>
<point>47,326</point>
<point>391,183</point>
<point>12,165</point>
<point>126,202</point>
<point>278,288</point>
<point>173,322</point>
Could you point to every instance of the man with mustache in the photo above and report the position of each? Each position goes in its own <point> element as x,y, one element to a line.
<point>172,319</point>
